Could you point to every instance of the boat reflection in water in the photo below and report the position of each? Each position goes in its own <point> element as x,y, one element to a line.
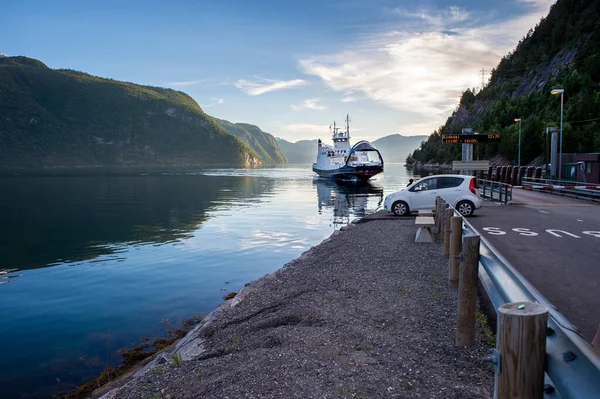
<point>348,199</point>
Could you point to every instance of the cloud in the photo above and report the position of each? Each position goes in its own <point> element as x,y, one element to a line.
<point>311,103</point>
<point>261,86</point>
<point>349,99</point>
<point>307,128</point>
<point>215,101</point>
<point>423,69</point>
<point>187,82</point>
<point>437,18</point>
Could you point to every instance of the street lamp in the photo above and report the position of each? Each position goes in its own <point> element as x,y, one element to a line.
<point>519,158</point>
<point>561,92</point>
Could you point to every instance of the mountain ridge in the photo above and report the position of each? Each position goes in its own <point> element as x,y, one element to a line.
<point>563,51</point>
<point>62,118</point>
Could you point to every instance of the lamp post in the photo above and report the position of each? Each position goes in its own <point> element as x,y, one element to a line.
<point>519,157</point>
<point>561,92</point>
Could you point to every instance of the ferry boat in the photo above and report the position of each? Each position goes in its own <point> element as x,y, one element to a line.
<point>342,161</point>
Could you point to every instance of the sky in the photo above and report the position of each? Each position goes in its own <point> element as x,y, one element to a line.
<point>290,67</point>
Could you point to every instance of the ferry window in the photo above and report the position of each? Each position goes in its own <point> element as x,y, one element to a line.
<point>372,156</point>
<point>449,182</point>
<point>428,184</point>
<point>588,168</point>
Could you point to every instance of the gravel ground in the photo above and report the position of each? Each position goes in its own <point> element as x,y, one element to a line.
<point>365,314</point>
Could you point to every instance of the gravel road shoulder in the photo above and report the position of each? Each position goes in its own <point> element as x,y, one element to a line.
<point>365,314</point>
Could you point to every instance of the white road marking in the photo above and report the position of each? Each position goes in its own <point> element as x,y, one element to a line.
<point>522,231</point>
<point>543,211</point>
<point>555,232</point>
<point>579,220</point>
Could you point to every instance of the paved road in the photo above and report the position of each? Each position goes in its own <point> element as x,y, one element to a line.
<point>555,243</point>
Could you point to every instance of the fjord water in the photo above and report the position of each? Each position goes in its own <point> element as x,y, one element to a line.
<point>93,263</point>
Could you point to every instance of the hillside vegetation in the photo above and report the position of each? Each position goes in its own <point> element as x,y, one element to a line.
<point>563,51</point>
<point>264,144</point>
<point>68,118</point>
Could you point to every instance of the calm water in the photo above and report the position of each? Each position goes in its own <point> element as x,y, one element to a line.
<point>90,264</point>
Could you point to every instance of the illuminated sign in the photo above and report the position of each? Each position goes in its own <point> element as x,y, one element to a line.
<point>470,138</point>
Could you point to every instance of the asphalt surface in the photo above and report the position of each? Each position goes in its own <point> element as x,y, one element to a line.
<point>556,247</point>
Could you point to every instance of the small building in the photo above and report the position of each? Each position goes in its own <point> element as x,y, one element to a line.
<point>582,167</point>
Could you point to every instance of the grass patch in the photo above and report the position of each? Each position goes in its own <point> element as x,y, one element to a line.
<point>488,334</point>
<point>177,360</point>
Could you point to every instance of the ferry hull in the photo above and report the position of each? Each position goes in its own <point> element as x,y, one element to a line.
<point>350,172</point>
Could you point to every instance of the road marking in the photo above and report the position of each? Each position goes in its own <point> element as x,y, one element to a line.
<point>555,232</point>
<point>566,205</point>
<point>526,232</point>
<point>579,220</point>
<point>543,211</point>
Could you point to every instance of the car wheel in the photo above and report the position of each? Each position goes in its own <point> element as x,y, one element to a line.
<point>465,208</point>
<point>400,208</point>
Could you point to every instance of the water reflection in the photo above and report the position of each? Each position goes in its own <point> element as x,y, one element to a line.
<point>49,220</point>
<point>348,199</point>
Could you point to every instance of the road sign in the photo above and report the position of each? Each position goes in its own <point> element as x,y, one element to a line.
<point>470,165</point>
<point>470,138</point>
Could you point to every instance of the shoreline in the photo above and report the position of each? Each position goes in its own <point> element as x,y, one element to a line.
<point>365,312</point>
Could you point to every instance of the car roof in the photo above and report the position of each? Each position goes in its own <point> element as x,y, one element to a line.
<point>463,176</point>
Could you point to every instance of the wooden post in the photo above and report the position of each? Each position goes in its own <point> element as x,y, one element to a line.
<point>467,291</point>
<point>443,226</point>
<point>521,341</point>
<point>455,247</point>
<point>437,213</point>
<point>449,214</point>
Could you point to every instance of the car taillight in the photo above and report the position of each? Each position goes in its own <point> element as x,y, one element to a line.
<point>472,186</point>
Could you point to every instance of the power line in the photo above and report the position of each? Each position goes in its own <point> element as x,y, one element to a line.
<point>585,120</point>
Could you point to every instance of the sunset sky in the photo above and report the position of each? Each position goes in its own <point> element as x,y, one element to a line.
<point>290,67</point>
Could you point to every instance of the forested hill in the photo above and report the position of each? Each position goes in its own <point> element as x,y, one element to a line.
<point>264,144</point>
<point>67,118</point>
<point>563,51</point>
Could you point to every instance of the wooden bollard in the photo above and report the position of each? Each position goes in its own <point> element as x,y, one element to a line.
<point>521,342</point>
<point>467,291</point>
<point>448,217</point>
<point>455,247</point>
<point>443,207</point>
<point>438,203</point>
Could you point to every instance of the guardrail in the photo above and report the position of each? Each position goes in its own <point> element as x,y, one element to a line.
<point>495,190</point>
<point>564,187</point>
<point>572,365</point>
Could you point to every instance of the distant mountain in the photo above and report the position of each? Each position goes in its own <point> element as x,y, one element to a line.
<point>264,144</point>
<point>66,118</point>
<point>396,147</point>
<point>303,151</point>
<point>393,148</point>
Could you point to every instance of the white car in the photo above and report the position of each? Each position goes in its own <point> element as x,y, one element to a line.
<point>458,190</point>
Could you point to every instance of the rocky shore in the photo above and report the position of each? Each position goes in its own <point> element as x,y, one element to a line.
<point>365,314</point>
